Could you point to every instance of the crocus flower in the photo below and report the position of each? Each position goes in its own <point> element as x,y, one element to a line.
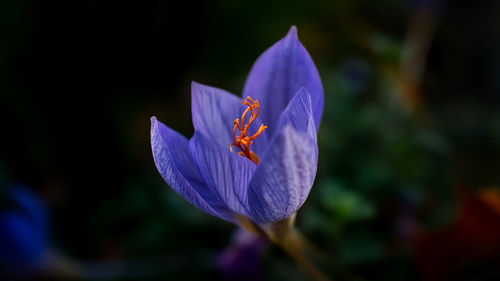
<point>254,159</point>
<point>242,259</point>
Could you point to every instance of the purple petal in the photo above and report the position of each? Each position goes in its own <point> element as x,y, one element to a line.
<point>278,74</point>
<point>175,164</point>
<point>214,111</point>
<point>282,181</point>
<point>227,174</point>
<point>299,114</point>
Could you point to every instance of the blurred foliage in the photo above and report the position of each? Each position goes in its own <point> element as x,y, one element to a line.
<point>79,81</point>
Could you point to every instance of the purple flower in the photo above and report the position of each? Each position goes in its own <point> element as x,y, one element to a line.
<point>242,259</point>
<point>256,158</point>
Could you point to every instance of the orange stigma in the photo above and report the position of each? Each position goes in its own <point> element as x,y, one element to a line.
<point>243,141</point>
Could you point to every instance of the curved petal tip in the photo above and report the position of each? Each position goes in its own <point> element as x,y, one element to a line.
<point>292,33</point>
<point>195,84</point>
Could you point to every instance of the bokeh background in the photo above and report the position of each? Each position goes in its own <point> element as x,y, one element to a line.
<point>409,141</point>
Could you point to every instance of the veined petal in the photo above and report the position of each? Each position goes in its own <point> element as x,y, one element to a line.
<point>281,183</point>
<point>227,174</point>
<point>175,164</point>
<point>279,73</point>
<point>299,114</point>
<point>214,111</point>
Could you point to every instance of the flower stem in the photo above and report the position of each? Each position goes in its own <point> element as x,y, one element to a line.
<point>293,248</point>
<point>283,234</point>
<point>304,246</point>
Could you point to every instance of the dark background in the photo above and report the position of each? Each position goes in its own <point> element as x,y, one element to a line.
<point>79,81</point>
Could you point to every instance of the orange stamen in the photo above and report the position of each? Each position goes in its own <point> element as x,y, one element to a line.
<point>243,141</point>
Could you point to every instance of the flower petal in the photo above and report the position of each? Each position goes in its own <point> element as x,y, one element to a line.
<point>227,174</point>
<point>279,73</point>
<point>175,164</point>
<point>214,111</point>
<point>299,114</point>
<point>282,181</point>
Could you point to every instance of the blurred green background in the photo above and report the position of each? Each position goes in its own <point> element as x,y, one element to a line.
<point>411,125</point>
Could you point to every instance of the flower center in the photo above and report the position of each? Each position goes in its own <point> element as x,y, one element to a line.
<point>243,141</point>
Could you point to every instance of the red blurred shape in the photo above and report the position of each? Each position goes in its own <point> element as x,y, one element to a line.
<point>469,249</point>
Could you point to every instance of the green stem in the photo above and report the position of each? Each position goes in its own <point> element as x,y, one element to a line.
<point>283,234</point>
<point>293,247</point>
